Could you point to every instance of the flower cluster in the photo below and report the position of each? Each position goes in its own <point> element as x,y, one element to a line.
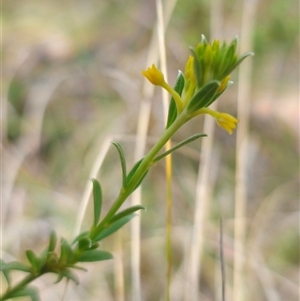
<point>205,78</point>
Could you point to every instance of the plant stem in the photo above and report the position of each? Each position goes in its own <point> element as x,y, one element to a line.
<point>144,166</point>
<point>21,285</point>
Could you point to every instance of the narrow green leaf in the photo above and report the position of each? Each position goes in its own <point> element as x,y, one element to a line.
<point>95,255</point>
<point>66,252</point>
<point>198,70</point>
<point>79,268</point>
<point>16,265</point>
<point>216,96</point>
<point>141,180</point>
<point>239,60</point>
<point>69,275</point>
<point>6,273</point>
<point>59,277</point>
<point>34,260</point>
<point>114,227</point>
<point>179,85</point>
<point>28,291</point>
<point>123,162</point>
<point>132,172</point>
<point>97,193</point>
<point>179,145</point>
<point>126,212</point>
<point>204,96</point>
<point>52,242</point>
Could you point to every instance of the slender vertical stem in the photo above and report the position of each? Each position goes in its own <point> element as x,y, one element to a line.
<point>241,151</point>
<point>168,161</point>
<point>140,148</point>
<point>223,274</point>
<point>203,188</point>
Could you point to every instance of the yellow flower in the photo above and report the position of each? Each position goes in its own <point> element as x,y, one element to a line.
<point>189,69</point>
<point>227,122</point>
<point>154,76</point>
<point>224,120</point>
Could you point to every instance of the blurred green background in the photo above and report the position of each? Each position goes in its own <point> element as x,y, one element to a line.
<point>71,79</point>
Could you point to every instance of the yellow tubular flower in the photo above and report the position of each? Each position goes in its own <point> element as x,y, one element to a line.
<point>154,76</point>
<point>227,122</point>
<point>189,69</point>
<point>224,120</point>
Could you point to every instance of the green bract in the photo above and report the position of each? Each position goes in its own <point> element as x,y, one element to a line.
<point>213,61</point>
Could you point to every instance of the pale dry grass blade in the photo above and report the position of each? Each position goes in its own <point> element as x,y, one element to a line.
<point>89,186</point>
<point>255,260</point>
<point>244,89</point>
<point>204,185</point>
<point>119,268</point>
<point>168,160</point>
<point>39,97</point>
<point>141,138</point>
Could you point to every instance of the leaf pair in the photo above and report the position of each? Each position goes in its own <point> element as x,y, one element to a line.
<point>117,222</point>
<point>119,219</point>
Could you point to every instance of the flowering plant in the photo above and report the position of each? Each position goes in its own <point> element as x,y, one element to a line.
<point>205,78</point>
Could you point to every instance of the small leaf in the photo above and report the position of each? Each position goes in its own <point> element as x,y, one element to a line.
<point>34,260</point>
<point>84,243</point>
<point>16,265</point>
<point>198,69</point>
<point>123,162</point>
<point>59,278</point>
<point>132,172</point>
<point>179,85</point>
<point>28,291</point>
<point>239,60</point>
<point>95,255</point>
<point>219,94</point>
<point>52,242</point>
<point>203,96</point>
<point>5,272</point>
<point>126,212</point>
<point>66,252</point>
<point>79,268</point>
<point>97,193</point>
<point>114,227</point>
<point>69,275</point>
<point>179,145</point>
